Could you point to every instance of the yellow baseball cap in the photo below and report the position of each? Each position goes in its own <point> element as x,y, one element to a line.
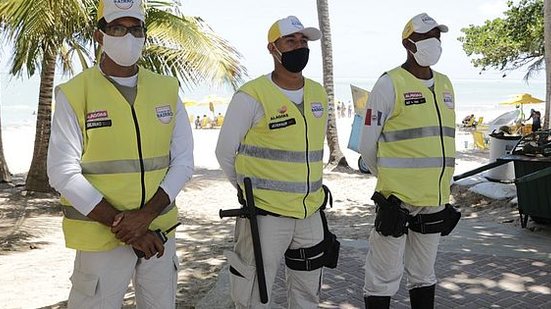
<point>290,25</point>
<point>421,23</point>
<point>113,9</point>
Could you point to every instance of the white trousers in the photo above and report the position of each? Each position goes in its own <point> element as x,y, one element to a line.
<point>101,279</point>
<point>387,256</point>
<point>277,234</point>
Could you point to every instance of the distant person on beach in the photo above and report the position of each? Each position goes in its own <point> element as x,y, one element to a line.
<point>408,142</point>
<point>205,122</point>
<point>274,133</point>
<point>349,110</point>
<point>219,120</point>
<point>536,120</point>
<point>119,154</point>
<point>338,109</point>
<point>467,120</point>
<point>198,122</point>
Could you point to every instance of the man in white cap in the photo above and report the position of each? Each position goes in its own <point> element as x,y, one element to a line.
<point>120,151</point>
<point>274,133</point>
<point>408,143</point>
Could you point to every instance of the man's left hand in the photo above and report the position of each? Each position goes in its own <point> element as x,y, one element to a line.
<point>129,226</point>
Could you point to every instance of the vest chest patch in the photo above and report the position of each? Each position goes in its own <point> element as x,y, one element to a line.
<point>282,124</point>
<point>411,98</point>
<point>317,110</point>
<point>98,119</point>
<point>164,113</point>
<point>448,100</point>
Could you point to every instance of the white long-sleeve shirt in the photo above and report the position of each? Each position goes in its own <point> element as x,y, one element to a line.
<point>66,146</point>
<point>243,113</point>
<point>381,100</point>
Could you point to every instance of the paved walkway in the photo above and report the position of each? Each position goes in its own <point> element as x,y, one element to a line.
<point>478,266</point>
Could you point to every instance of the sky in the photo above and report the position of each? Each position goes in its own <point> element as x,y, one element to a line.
<point>366,38</point>
<point>366,35</point>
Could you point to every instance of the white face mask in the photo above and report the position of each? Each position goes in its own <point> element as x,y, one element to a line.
<point>428,51</point>
<point>125,50</point>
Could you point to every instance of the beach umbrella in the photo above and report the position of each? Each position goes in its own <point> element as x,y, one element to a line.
<point>190,103</point>
<point>521,99</point>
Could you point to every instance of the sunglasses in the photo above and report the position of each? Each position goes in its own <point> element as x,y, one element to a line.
<point>119,31</point>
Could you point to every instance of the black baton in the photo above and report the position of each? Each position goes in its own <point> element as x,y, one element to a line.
<point>249,211</point>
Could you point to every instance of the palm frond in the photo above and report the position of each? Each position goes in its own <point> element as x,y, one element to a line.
<point>207,56</point>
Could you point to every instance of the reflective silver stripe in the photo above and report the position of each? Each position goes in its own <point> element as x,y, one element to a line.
<point>282,186</point>
<point>280,155</point>
<point>400,135</point>
<point>73,214</point>
<point>414,162</point>
<point>124,166</point>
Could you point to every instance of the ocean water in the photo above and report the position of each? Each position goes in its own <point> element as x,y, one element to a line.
<point>19,98</point>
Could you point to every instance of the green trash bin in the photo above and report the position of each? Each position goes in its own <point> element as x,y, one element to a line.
<point>533,182</point>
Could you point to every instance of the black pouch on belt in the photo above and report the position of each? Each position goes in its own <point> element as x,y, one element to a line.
<point>391,219</point>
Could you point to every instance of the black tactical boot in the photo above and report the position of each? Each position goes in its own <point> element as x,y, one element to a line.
<point>422,298</point>
<point>377,302</point>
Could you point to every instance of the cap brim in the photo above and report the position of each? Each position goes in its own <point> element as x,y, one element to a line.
<point>117,15</point>
<point>443,28</point>
<point>313,34</point>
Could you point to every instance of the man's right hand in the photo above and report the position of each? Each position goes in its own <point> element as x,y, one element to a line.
<point>150,244</point>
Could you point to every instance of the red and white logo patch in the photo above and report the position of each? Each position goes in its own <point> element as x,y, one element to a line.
<point>412,95</point>
<point>96,115</point>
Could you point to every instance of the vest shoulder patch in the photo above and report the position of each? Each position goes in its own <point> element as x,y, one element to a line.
<point>448,99</point>
<point>164,113</point>
<point>317,109</point>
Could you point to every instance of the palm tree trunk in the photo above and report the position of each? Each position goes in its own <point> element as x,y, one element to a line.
<point>5,175</point>
<point>336,156</point>
<point>37,179</point>
<point>547,45</point>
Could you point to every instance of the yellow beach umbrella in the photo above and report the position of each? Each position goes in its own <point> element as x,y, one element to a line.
<point>521,99</point>
<point>190,103</point>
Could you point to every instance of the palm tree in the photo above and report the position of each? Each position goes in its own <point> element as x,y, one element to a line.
<point>5,175</point>
<point>336,157</point>
<point>547,47</point>
<point>47,33</point>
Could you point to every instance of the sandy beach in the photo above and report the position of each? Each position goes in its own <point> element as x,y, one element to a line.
<point>35,266</point>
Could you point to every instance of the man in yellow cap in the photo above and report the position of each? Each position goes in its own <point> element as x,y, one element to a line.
<point>274,133</point>
<point>120,151</point>
<point>408,143</point>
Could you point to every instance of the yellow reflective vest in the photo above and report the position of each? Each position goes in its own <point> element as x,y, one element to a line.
<point>283,152</point>
<point>125,149</point>
<point>416,149</point>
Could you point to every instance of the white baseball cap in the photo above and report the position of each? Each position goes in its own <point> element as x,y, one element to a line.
<point>290,25</point>
<point>421,23</point>
<point>113,9</point>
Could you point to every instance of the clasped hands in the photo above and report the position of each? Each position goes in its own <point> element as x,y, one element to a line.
<point>132,228</point>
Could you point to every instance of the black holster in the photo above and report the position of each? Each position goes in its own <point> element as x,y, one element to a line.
<point>325,253</point>
<point>442,222</point>
<point>391,219</point>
